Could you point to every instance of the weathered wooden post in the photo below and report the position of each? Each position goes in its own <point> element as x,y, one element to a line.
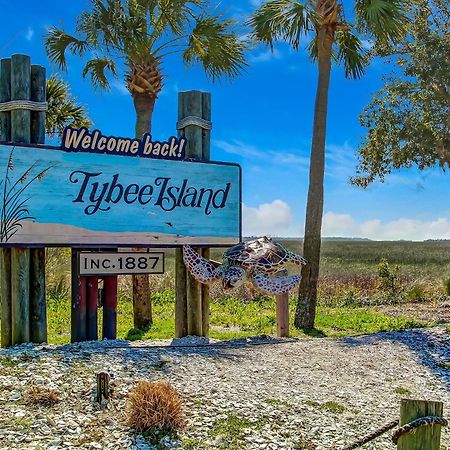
<point>282,313</point>
<point>22,276</point>
<point>5,253</point>
<point>192,299</point>
<point>425,437</point>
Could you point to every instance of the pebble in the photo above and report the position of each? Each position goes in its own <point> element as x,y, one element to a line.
<point>286,395</point>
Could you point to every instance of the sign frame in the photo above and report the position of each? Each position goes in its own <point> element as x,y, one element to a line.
<point>125,254</point>
<point>106,245</point>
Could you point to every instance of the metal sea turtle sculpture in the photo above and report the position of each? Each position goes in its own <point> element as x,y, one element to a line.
<point>257,261</point>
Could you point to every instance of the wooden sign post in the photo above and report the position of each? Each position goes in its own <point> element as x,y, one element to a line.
<point>192,298</point>
<point>22,270</point>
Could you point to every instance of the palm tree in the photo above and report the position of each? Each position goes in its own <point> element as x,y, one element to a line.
<point>130,39</point>
<point>332,39</point>
<point>63,109</point>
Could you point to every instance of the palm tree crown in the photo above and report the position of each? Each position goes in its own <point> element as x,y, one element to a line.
<point>63,108</point>
<point>132,37</point>
<point>323,23</point>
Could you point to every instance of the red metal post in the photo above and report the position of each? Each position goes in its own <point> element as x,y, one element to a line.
<point>78,312</point>
<point>110,307</point>
<point>91,318</point>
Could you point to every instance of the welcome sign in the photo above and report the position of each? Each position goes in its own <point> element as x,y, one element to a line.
<point>56,197</point>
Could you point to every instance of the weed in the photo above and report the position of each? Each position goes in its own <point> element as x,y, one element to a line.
<point>332,407</point>
<point>447,286</point>
<point>155,406</point>
<point>402,391</point>
<point>38,395</point>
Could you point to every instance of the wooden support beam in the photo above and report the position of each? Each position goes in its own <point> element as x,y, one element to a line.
<point>20,295</point>
<point>180,295</point>
<point>20,258</point>
<point>5,254</point>
<point>424,437</point>
<point>5,296</point>
<point>282,314</point>
<point>110,307</point>
<point>38,307</point>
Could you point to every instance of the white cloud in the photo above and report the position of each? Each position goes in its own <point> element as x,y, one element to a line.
<point>120,87</point>
<point>268,218</point>
<point>343,225</point>
<point>29,34</point>
<point>266,55</point>
<point>290,158</point>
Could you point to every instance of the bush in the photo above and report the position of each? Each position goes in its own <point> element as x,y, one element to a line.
<point>154,406</point>
<point>388,281</point>
<point>447,286</point>
<point>416,293</point>
<point>38,395</point>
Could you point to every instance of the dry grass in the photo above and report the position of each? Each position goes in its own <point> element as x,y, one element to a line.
<point>38,395</point>
<point>155,405</point>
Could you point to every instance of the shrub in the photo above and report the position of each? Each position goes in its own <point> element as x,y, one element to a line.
<point>154,406</point>
<point>388,281</point>
<point>416,293</point>
<point>38,395</point>
<point>447,286</point>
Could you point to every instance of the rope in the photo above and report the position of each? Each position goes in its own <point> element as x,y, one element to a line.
<point>24,104</point>
<point>194,120</point>
<point>420,422</point>
<point>408,428</point>
<point>371,436</point>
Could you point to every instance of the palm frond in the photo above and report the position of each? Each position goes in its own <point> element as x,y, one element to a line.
<point>384,19</point>
<point>216,46</point>
<point>57,42</point>
<point>63,108</point>
<point>351,53</point>
<point>287,20</point>
<point>96,69</point>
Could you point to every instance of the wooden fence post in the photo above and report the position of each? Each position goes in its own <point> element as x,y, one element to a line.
<point>38,301</point>
<point>5,253</point>
<point>22,271</point>
<point>282,313</point>
<point>424,437</point>
<point>192,298</point>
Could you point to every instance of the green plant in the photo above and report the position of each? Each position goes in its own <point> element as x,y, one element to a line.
<point>63,109</point>
<point>447,286</point>
<point>388,281</point>
<point>400,390</point>
<point>416,293</point>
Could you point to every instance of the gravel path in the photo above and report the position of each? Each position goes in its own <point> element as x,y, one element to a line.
<point>301,394</point>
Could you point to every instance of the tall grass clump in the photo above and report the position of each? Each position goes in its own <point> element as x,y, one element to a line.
<point>447,286</point>
<point>154,407</point>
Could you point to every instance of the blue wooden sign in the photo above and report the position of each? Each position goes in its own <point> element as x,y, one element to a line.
<point>53,197</point>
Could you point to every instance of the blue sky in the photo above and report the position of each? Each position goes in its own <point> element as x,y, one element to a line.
<point>262,120</point>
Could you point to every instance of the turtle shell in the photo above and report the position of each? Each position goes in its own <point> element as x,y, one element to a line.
<point>261,254</point>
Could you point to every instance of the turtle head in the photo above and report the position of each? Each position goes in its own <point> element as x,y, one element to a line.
<point>233,277</point>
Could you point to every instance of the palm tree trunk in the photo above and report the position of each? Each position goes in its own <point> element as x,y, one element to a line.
<point>142,304</point>
<point>306,304</point>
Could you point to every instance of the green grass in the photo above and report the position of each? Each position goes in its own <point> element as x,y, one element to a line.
<point>231,318</point>
<point>403,391</point>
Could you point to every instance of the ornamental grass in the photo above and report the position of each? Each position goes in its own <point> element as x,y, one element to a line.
<point>155,406</point>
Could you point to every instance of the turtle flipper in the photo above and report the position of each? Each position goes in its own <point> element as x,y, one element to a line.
<point>275,285</point>
<point>200,268</point>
